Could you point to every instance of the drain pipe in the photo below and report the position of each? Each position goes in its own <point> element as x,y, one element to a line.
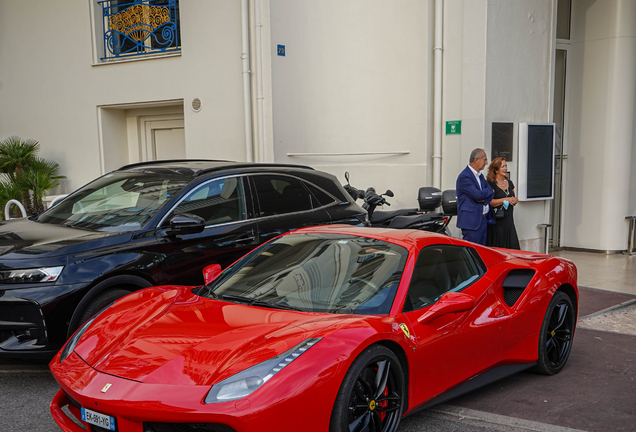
<point>259,81</point>
<point>247,97</point>
<point>437,94</point>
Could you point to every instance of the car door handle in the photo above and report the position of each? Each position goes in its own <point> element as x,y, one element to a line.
<point>245,240</point>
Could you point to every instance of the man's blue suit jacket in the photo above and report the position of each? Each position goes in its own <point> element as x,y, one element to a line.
<point>469,208</point>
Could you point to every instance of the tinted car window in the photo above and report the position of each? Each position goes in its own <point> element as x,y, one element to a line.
<point>280,195</point>
<point>218,201</point>
<point>329,273</point>
<point>319,197</point>
<point>119,201</point>
<point>438,270</point>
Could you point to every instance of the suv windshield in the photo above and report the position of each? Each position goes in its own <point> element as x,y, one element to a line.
<point>120,201</point>
<point>329,273</point>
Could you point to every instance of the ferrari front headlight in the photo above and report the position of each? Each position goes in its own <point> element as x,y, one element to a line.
<point>72,342</point>
<point>34,275</point>
<point>244,383</point>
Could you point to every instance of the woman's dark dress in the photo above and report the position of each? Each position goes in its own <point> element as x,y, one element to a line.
<point>503,233</point>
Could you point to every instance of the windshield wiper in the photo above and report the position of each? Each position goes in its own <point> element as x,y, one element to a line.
<point>237,298</point>
<point>277,306</point>
<point>255,302</point>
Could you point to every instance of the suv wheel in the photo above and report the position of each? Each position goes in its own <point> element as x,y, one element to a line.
<point>100,302</point>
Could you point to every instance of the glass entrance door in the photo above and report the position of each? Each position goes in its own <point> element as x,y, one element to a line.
<point>560,155</point>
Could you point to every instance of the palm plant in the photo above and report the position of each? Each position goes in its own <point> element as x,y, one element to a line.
<point>38,177</point>
<point>9,190</point>
<point>16,153</point>
<point>27,177</point>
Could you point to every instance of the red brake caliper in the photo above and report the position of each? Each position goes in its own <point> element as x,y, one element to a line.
<point>384,403</point>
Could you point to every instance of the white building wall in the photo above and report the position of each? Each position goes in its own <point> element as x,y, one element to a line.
<point>464,86</point>
<point>50,90</point>
<point>601,124</point>
<point>518,80</point>
<point>464,80</point>
<point>497,60</point>
<point>355,78</point>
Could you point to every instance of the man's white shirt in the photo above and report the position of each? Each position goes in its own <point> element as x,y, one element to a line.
<point>478,176</point>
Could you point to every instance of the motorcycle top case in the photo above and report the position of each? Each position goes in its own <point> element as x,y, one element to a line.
<point>449,202</point>
<point>429,198</point>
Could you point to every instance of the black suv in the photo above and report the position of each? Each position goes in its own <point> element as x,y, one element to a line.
<point>146,224</point>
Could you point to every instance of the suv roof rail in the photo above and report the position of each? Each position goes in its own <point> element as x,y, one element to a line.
<point>230,165</point>
<point>252,165</point>
<point>137,164</point>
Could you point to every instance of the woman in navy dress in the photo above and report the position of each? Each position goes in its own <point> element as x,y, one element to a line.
<point>502,233</point>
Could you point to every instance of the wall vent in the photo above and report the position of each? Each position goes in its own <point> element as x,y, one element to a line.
<point>196,104</point>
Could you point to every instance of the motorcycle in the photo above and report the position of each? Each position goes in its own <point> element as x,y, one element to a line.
<point>423,218</point>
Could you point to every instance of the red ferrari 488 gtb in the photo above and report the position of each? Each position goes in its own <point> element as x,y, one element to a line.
<point>323,329</point>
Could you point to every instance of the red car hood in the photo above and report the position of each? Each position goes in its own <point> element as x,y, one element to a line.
<point>169,335</point>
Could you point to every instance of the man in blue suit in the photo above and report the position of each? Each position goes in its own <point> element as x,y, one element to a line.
<point>473,196</point>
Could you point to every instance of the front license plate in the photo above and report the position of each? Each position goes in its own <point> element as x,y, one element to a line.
<point>97,419</point>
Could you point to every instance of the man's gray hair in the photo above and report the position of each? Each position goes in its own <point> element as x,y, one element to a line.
<point>478,153</point>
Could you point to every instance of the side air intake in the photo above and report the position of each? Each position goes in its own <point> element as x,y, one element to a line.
<point>515,283</point>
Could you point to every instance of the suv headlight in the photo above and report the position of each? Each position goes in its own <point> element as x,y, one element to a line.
<point>34,275</point>
<point>244,383</point>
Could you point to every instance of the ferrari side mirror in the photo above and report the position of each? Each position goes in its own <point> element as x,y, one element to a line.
<point>211,272</point>
<point>451,302</point>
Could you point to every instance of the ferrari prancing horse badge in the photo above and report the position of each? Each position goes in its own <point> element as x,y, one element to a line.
<point>405,329</point>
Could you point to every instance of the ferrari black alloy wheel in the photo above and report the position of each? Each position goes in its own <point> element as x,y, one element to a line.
<point>555,340</point>
<point>371,397</point>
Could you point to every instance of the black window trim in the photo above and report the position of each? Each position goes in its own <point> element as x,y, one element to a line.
<point>247,218</point>
<point>474,255</point>
<point>471,254</point>
<point>302,181</point>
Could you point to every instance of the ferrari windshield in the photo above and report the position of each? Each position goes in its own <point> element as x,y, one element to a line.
<point>120,201</point>
<point>329,273</point>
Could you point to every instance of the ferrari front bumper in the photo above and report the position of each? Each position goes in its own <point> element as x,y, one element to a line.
<point>283,404</point>
<point>67,424</point>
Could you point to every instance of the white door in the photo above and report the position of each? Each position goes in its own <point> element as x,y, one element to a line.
<point>165,139</point>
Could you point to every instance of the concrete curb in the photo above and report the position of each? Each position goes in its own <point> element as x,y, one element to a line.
<point>465,413</point>
<point>620,319</point>
<point>626,304</point>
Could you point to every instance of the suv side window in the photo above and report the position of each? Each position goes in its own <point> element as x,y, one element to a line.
<point>438,270</point>
<point>280,194</point>
<point>318,196</point>
<point>218,201</point>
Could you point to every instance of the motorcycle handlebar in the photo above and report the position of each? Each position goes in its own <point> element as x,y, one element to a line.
<point>356,194</point>
<point>370,197</point>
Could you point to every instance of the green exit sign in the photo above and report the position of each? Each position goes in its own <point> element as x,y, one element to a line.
<point>454,127</point>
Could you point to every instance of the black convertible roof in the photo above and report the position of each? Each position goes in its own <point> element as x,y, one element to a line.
<point>197,167</point>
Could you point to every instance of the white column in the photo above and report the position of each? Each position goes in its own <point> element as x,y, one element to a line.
<point>601,121</point>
